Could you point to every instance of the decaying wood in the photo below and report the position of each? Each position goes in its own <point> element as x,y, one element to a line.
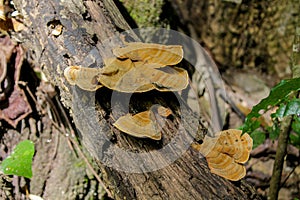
<point>86,26</point>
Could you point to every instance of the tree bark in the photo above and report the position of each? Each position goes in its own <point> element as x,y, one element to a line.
<point>86,27</point>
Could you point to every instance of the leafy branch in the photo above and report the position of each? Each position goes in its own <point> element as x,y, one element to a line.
<point>286,119</point>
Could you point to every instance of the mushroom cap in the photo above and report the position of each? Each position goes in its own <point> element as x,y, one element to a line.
<point>128,76</point>
<point>227,152</point>
<point>83,77</point>
<point>151,53</point>
<point>143,124</point>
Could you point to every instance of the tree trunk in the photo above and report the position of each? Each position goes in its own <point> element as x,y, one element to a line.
<point>85,27</point>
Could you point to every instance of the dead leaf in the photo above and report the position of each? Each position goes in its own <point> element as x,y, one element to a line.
<point>3,69</point>
<point>17,25</point>
<point>151,53</point>
<point>6,47</point>
<point>6,51</point>
<point>2,12</point>
<point>6,25</point>
<point>143,124</point>
<point>226,153</point>
<point>14,105</point>
<point>10,22</point>
<point>17,107</point>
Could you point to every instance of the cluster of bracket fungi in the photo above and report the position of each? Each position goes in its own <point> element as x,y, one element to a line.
<point>141,67</point>
<point>137,67</point>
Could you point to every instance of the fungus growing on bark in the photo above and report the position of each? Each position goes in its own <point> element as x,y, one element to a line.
<point>138,67</point>
<point>227,152</point>
<point>143,124</point>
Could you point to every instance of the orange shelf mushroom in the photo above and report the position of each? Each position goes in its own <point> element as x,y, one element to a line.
<point>143,124</point>
<point>227,152</point>
<point>140,67</point>
<point>150,53</point>
<point>85,78</point>
<point>137,67</point>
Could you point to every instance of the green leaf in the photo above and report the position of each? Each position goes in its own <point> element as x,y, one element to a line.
<point>250,126</point>
<point>258,138</point>
<point>296,124</point>
<point>295,139</point>
<point>279,112</point>
<point>20,161</point>
<point>277,95</point>
<point>291,108</point>
<point>274,130</point>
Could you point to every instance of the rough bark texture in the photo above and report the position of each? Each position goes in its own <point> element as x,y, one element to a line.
<point>86,25</point>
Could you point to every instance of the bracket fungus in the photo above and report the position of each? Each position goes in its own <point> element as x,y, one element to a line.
<point>137,67</point>
<point>150,53</point>
<point>85,78</point>
<point>140,67</point>
<point>143,124</point>
<point>142,77</point>
<point>227,152</point>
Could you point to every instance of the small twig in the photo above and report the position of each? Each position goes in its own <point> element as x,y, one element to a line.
<point>287,177</point>
<point>91,167</point>
<point>233,105</point>
<point>24,84</point>
<point>81,154</point>
<point>75,143</point>
<point>279,158</point>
